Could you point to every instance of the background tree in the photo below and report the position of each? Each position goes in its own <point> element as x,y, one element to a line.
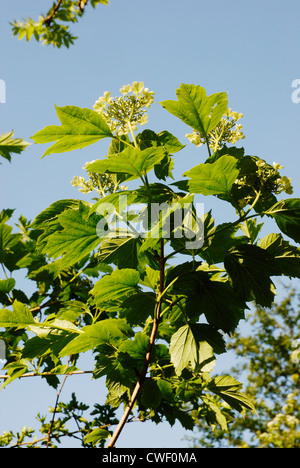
<point>268,356</point>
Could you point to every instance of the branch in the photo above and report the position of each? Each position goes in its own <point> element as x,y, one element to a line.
<point>47,304</point>
<point>144,371</point>
<point>49,18</point>
<point>44,374</point>
<point>55,408</point>
<point>82,5</point>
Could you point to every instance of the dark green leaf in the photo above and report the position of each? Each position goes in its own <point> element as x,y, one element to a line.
<point>287,257</point>
<point>220,242</point>
<point>138,307</point>
<point>7,285</point>
<point>51,213</point>
<point>52,341</point>
<point>221,306</point>
<point>250,268</point>
<point>287,216</point>
<point>150,395</point>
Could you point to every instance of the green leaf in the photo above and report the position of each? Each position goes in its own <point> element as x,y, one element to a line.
<point>20,316</point>
<point>14,370</point>
<point>9,145</point>
<point>228,389</point>
<point>116,286</point>
<point>218,244</point>
<point>137,348</point>
<point>96,435</point>
<point>196,109</point>
<point>287,216</point>
<point>7,239</point>
<point>132,161</point>
<point>222,307</point>
<point>251,229</point>
<point>188,347</point>
<point>137,308</point>
<point>163,226</point>
<point>51,213</point>
<point>150,394</point>
<point>122,252</point>
<point>50,341</point>
<point>77,238</point>
<point>170,142</point>
<point>250,268</point>
<point>7,285</point>
<point>286,256</point>
<point>214,179</point>
<point>106,331</point>
<point>165,388</point>
<point>80,128</point>
<point>214,414</point>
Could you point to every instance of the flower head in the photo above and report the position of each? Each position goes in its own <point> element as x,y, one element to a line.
<point>227,131</point>
<point>124,113</point>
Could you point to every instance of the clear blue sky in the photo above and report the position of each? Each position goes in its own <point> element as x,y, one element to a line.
<point>249,49</point>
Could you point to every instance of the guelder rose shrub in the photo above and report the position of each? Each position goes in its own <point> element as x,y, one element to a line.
<point>141,274</point>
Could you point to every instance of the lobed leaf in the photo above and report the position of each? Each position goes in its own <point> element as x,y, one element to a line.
<point>132,161</point>
<point>188,346</point>
<point>286,256</point>
<point>106,331</point>
<point>80,128</point>
<point>250,269</point>
<point>116,286</point>
<point>196,109</point>
<point>216,178</point>
<point>287,216</point>
<point>9,145</point>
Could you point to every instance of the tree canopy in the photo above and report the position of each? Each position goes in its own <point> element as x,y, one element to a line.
<point>268,354</point>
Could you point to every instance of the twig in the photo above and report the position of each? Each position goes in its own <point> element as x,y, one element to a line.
<point>82,5</point>
<point>34,374</point>
<point>144,371</point>
<point>49,18</point>
<point>55,407</point>
<point>47,304</point>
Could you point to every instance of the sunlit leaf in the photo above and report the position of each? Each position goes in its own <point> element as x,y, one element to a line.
<point>80,128</point>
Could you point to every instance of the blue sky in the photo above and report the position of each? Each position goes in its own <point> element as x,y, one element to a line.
<point>248,49</point>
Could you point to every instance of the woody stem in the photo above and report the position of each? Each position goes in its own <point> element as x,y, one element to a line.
<point>144,371</point>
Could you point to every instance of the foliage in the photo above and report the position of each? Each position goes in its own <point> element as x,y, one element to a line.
<point>52,27</point>
<point>72,412</point>
<point>9,145</point>
<point>137,275</point>
<point>268,357</point>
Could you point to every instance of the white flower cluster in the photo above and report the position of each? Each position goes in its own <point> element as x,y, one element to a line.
<point>264,181</point>
<point>281,183</point>
<point>101,183</point>
<point>124,113</point>
<point>227,131</point>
